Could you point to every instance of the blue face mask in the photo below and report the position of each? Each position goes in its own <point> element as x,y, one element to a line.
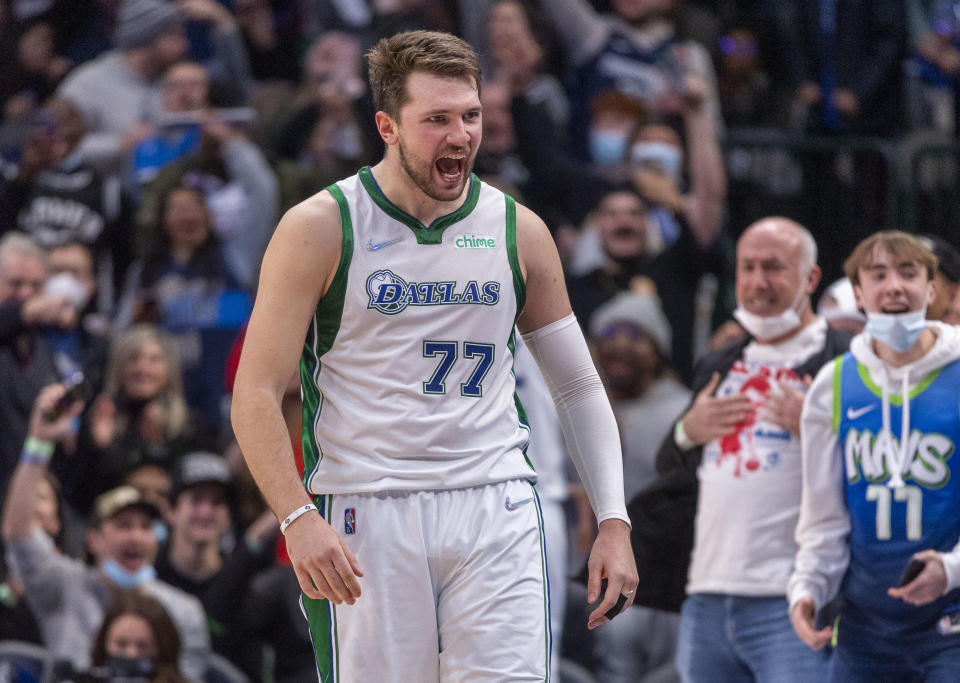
<point>607,146</point>
<point>125,579</point>
<point>661,156</point>
<point>899,331</point>
<point>160,531</point>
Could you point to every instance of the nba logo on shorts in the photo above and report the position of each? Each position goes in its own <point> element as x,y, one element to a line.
<point>350,521</point>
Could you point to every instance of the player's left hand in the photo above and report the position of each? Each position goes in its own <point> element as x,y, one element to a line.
<point>929,584</point>
<point>612,559</point>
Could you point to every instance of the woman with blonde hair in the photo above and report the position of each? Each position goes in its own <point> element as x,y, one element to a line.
<point>141,417</point>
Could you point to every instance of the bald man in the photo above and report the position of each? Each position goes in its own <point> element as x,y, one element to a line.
<point>741,437</point>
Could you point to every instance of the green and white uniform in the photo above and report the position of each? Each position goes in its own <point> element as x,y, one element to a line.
<point>413,445</point>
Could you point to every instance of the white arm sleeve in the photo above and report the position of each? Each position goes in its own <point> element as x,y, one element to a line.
<point>586,418</point>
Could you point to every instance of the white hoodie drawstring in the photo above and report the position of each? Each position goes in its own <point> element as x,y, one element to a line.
<point>897,464</point>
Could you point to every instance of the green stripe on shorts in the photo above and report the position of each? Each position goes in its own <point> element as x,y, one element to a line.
<point>322,619</point>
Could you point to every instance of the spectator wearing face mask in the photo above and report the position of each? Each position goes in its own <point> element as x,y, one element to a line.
<point>138,640</point>
<point>734,457</point>
<point>58,198</point>
<point>68,596</point>
<point>194,561</point>
<point>26,359</point>
<point>632,49</point>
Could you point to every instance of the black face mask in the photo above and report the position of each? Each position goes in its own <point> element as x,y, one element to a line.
<point>130,669</point>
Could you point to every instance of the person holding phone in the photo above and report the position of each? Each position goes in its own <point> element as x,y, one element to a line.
<point>878,520</point>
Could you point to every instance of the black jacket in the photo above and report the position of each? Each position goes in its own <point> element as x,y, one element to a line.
<point>663,514</point>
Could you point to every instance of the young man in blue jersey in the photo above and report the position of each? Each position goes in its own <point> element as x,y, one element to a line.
<point>398,290</point>
<point>875,499</point>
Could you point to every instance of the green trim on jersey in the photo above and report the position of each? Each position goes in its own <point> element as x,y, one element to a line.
<point>432,234</point>
<point>521,413</point>
<point>319,339</point>
<point>519,286</point>
<point>895,399</point>
<point>837,375</point>
<point>322,619</point>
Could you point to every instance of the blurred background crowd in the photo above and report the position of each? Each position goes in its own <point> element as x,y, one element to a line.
<point>148,148</point>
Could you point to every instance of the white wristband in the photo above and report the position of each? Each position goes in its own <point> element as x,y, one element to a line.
<point>295,515</point>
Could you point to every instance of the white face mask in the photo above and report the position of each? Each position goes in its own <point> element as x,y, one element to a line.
<point>69,287</point>
<point>773,326</point>
<point>899,331</point>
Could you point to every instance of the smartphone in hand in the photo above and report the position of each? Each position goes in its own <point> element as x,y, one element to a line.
<point>74,393</point>
<point>912,571</point>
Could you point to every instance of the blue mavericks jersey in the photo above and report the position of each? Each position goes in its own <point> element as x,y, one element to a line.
<point>889,524</point>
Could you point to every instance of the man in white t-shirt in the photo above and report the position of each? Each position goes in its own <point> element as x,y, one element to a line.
<point>745,418</point>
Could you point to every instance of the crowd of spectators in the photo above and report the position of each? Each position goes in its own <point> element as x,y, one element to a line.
<point>148,149</point>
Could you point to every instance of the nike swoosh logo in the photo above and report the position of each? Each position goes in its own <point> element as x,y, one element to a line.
<point>382,245</point>
<point>854,413</point>
<point>513,506</point>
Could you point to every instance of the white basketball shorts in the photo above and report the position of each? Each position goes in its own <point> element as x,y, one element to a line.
<point>454,588</point>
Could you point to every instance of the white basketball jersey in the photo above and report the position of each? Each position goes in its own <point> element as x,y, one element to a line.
<point>406,370</point>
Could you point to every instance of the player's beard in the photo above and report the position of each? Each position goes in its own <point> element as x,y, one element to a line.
<point>421,173</point>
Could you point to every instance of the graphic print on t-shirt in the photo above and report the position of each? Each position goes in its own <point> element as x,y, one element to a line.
<point>757,445</point>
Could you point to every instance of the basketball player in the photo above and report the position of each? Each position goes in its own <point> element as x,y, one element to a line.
<point>398,290</point>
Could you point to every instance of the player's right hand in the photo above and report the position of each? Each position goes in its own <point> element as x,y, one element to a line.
<point>711,417</point>
<point>325,566</point>
<point>803,618</point>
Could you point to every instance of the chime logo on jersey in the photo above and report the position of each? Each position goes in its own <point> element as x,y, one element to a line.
<point>475,242</point>
<point>872,457</point>
<point>389,293</point>
<point>350,521</point>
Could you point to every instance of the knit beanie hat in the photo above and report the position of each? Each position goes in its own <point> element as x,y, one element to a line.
<point>642,311</point>
<point>140,22</point>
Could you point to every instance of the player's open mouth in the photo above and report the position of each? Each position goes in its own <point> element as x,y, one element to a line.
<point>450,167</point>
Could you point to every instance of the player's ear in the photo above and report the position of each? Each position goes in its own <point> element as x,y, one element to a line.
<point>387,127</point>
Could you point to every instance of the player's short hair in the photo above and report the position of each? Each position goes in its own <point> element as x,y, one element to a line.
<point>901,245</point>
<point>392,60</point>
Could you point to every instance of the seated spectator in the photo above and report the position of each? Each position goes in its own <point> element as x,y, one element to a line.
<point>26,360</point>
<point>630,338</point>
<point>57,198</point>
<point>73,275</point>
<point>674,274</point>
<point>141,417</point>
<point>318,138</point>
<point>69,597</point>
<point>138,640</point>
<point>32,72</point>
<point>118,92</point>
<point>233,177</point>
<point>188,287</point>
<point>186,89</point>
<point>200,518</point>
